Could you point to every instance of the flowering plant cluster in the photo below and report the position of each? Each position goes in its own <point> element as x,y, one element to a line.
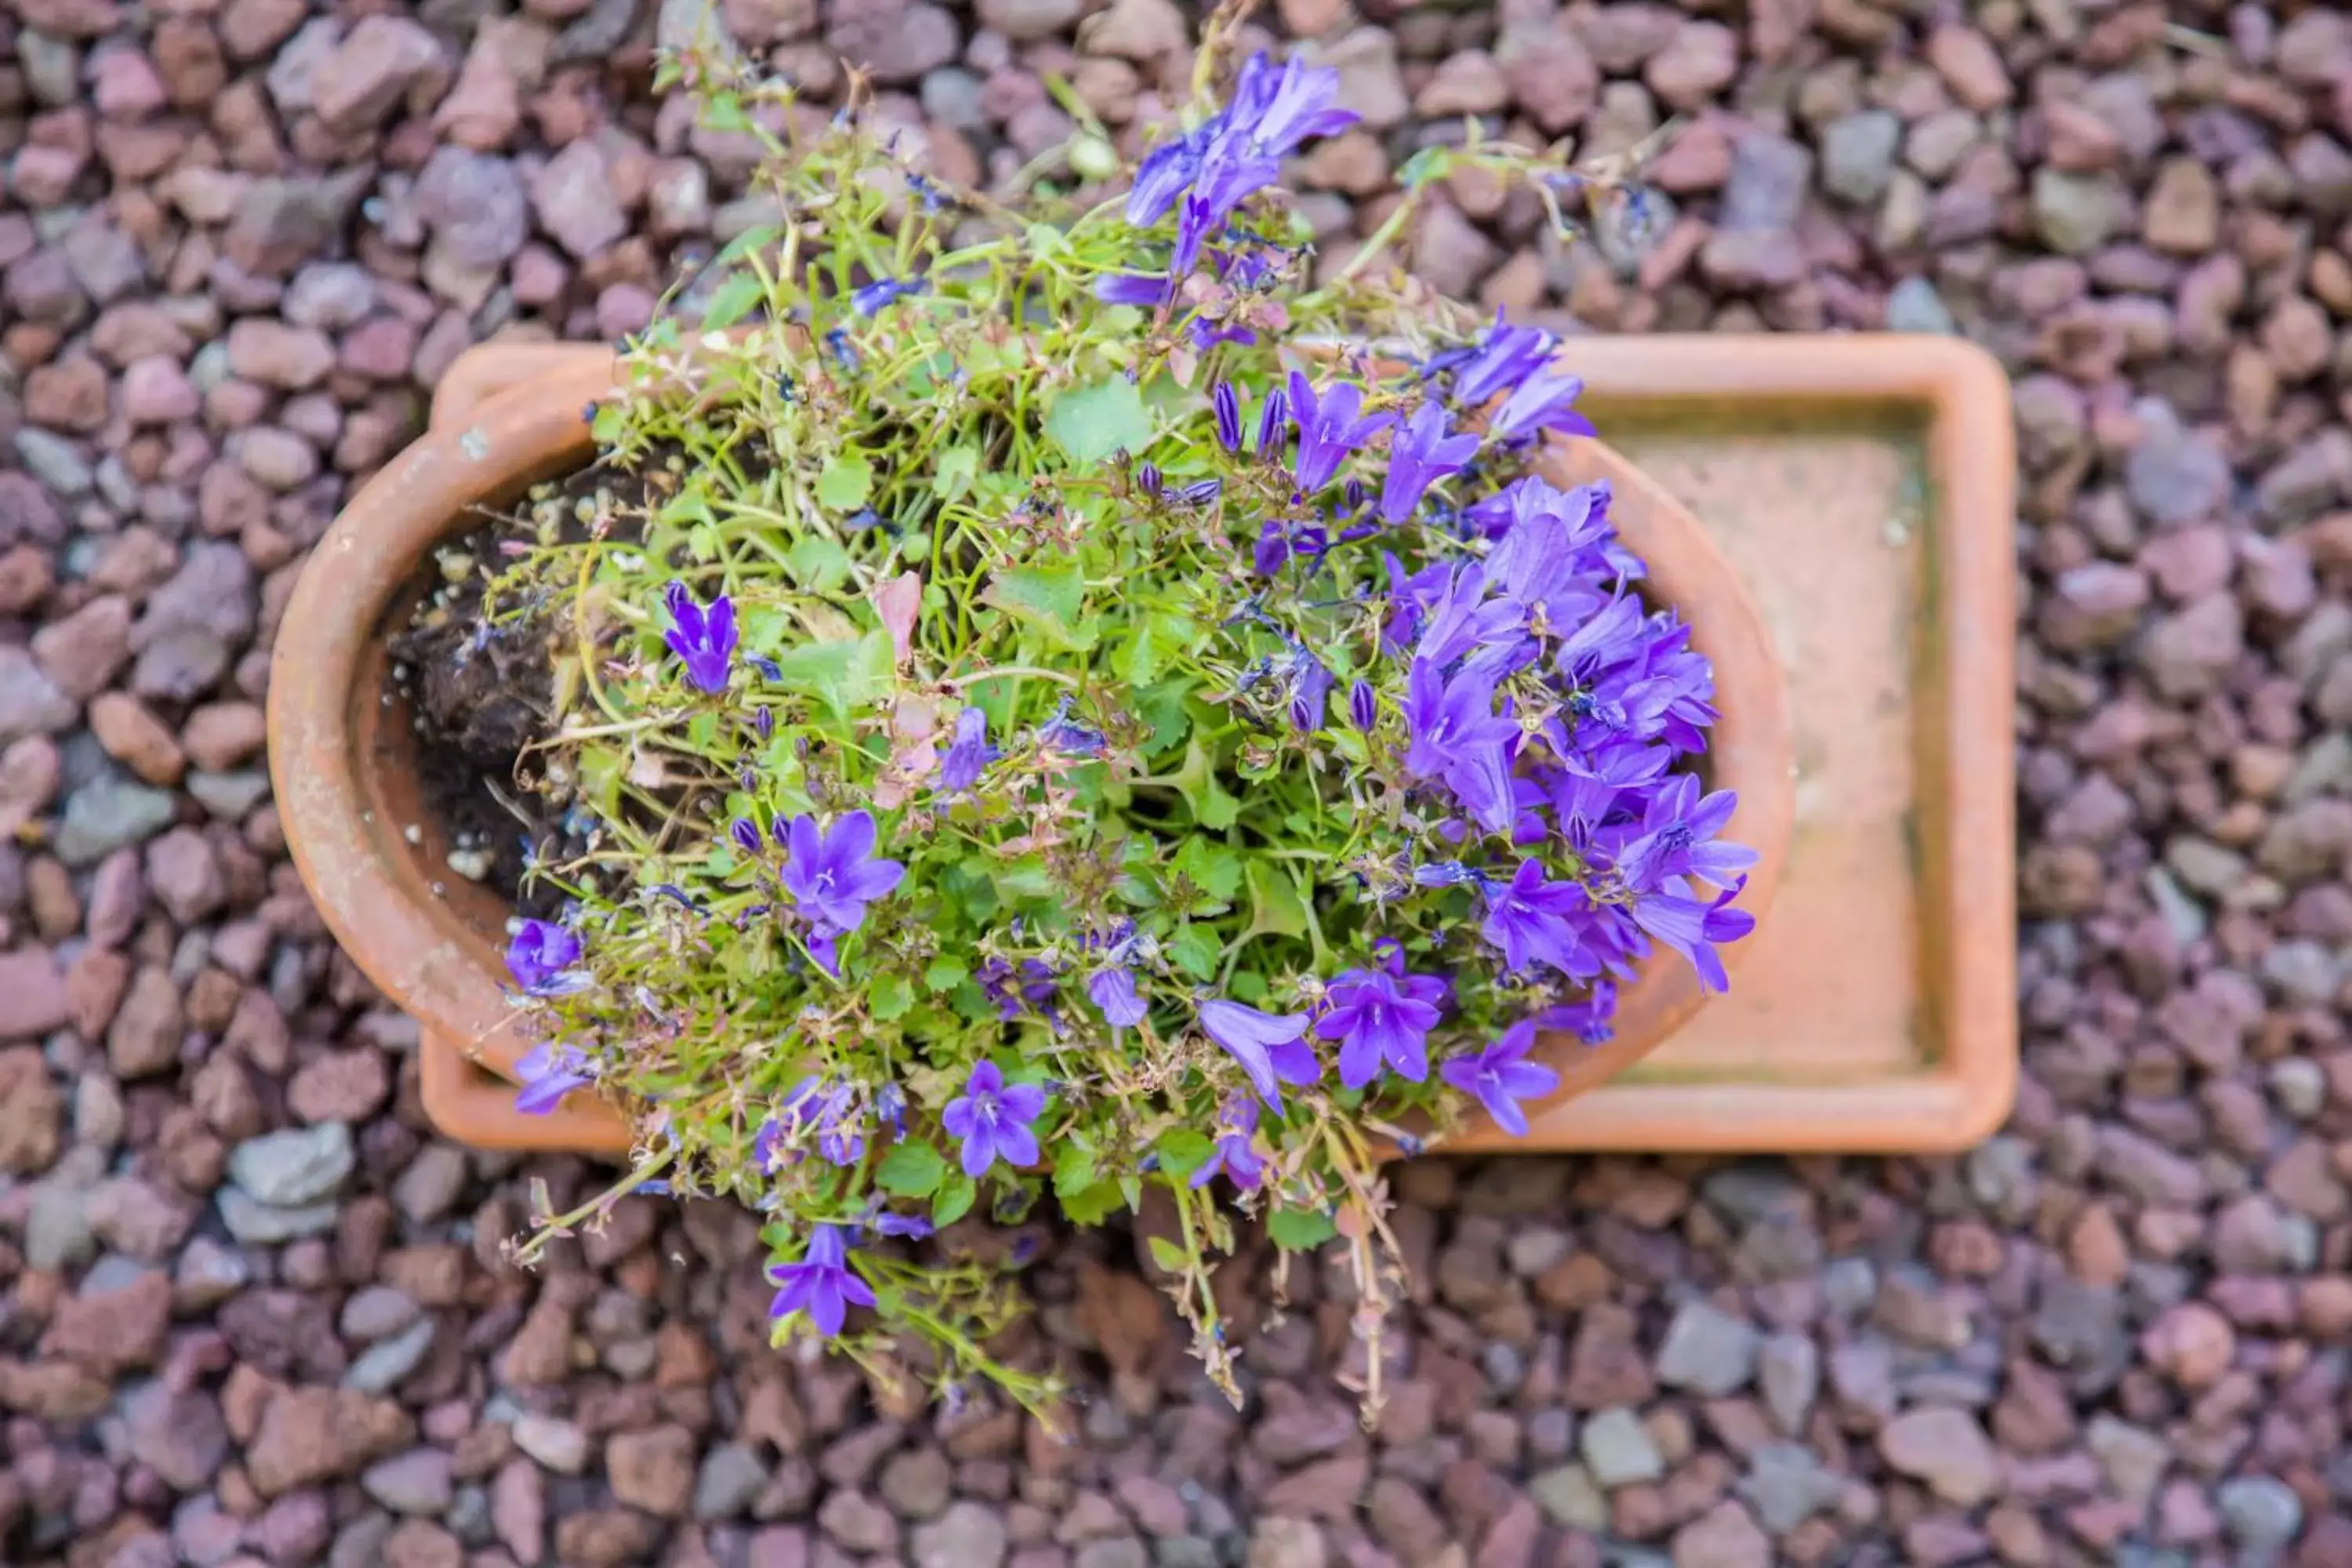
<point>1056,720</point>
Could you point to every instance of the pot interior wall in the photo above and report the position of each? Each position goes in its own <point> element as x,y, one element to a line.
<point>417,840</point>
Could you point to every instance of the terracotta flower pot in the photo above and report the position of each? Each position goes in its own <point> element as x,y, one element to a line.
<point>344,764</point>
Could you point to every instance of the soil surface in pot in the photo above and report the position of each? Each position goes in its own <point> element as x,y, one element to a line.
<point>478,681</point>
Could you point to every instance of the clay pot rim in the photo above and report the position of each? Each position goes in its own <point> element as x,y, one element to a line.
<point>509,415</point>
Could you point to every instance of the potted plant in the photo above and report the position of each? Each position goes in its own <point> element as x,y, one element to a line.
<point>1027,703</point>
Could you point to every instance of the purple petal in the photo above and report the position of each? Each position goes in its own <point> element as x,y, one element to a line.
<point>826,1310</point>
<point>958,1118</point>
<point>852,837</point>
<point>1016,1146</point>
<point>805,845</point>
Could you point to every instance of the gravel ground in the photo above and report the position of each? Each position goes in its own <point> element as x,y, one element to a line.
<point>255,1314</point>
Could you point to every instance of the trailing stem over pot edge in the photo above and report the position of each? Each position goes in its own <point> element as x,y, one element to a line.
<point>1043,730</point>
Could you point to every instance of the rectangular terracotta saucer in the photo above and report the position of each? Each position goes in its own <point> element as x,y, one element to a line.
<point>1865,485</point>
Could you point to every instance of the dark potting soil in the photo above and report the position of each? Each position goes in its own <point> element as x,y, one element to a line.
<point>480,693</point>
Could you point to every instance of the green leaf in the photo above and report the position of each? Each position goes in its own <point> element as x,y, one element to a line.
<point>690,505</point>
<point>1167,1254</point>
<point>954,1200</point>
<point>1158,638</point>
<point>945,973</point>
<point>890,997</point>
<point>1195,950</point>
<point>1092,423</point>
<point>1162,707</point>
<point>1183,1151</point>
<point>844,676</point>
<point>911,1170</point>
<point>1299,1230</point>
<point>1212,867</point>
<point>1196,781</point>
<point>601,768</point>
<point>1095,1204</point>
<point>1047,598</point>
<point>731,302</point>
<point>952,475</point>
<point>724,111</point>
<point>758,237</point>
<point>818,564</point>
<point>1275,907</point>
<point>1433,162</point>
<point>846,481</point>
<point>1074,1169</point>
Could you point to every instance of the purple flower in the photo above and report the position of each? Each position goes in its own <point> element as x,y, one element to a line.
<point>549,1073</point>
<point>1500,1076</point>
<point>832,875</point>
<point>1550,539</point>
<point>1228,404</point>
<point>1434,989</point>
<point>1463,620</point>
<point>747,836</point>
<point>1541,403</point>
<point>876,296</point>
<point>703,639</point>
<point>969,752</point>
<point>540,956</point>
<point>1411,598</point>
<point>1453,735</point>
<point>1273,423</point>
<point>1275,108</point>
<point>844,352</point>
<point>1208,333</point>
<point>1270,1047</point>
<point>1113,991</point>
<point>1067,735</point>
<point>1194,222</point>
<point>913,1226</point>
<point>1240,151</point>
<point>1531,920</point>
<point>1310,681</point>
<point>1232,1154</point>
<point>1328,429</point>
<point>1166,172</point>
<point>1692,929</point>
<point>992,1118</point>
<point>1379,1023</point>
<point>1506,356</point>
<point>1229,177</point>
<point>1037,988</point>
<point>1363,706</point>
<point>1272,550</point>
<point>1419,456</point>
<point>829,1109</point>
<point>1146,289</point>
<point>821,1283</point>
<point>1678,839</point>
<point>1589,1020</point>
